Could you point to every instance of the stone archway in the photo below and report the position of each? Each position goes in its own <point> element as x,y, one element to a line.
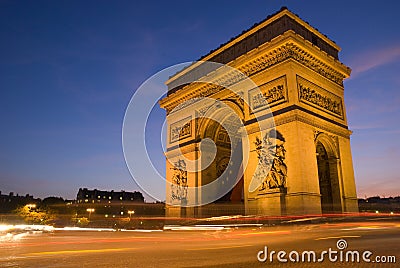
<point>300,84</point>
<point>228,160</point>
<point>328,176</point>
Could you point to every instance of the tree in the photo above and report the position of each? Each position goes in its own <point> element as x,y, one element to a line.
<point>35,216</point>
<point>51,200</point>
<point>83,221</point>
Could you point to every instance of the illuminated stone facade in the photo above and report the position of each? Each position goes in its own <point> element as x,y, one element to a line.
<point>301,78</point>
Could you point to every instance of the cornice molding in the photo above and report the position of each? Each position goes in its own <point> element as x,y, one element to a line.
<point>319,124</point>
<point>289,50</point>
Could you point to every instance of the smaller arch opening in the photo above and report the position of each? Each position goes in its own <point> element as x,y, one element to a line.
<point>328,179</point>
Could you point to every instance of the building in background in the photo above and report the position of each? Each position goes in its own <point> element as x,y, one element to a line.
<point>95,196</point>
<point>10,202</point>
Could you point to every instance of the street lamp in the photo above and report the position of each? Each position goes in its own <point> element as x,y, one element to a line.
<point>90,210</point>
<point>130,212</point>
<point>30,206</point>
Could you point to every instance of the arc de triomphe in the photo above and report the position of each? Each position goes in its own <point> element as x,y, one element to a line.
<point>300,82</point>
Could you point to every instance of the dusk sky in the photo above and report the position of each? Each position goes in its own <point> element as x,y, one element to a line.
<point>69,68</point>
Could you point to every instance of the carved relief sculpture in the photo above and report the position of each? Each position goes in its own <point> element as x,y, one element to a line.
<point>312,94</point>
<point>271,96</point>
<point>180,130</point>
<point>272,93</point>
<point>273,157</point>
<point>179,181</point>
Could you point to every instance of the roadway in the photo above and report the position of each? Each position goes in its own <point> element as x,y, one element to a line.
<point>232,247</point>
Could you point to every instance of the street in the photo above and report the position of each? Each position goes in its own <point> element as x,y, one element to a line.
<point>230,247</point>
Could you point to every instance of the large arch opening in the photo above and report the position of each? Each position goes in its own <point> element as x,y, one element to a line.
<point>328,178</point>
<point>227,164</point>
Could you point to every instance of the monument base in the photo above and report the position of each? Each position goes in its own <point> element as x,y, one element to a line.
<point>270,203</point>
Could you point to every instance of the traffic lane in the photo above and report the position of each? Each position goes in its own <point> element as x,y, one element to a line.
<point>186,249</point>
<point>214,241</point>
<point>202,257</point>
<point>382,242</point>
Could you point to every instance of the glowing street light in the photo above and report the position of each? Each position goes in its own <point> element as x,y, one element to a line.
<point>90,210</point>
<point>31,206</point>
<point>130,212</point>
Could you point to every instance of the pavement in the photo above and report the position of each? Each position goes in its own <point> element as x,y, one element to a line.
<point>212,247</point>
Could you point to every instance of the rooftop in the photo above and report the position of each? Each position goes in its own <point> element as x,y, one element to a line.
<point>260,33</point>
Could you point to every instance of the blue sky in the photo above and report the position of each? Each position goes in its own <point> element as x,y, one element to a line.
<point>69,68</point>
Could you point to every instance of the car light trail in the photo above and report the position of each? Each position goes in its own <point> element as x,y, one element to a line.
<point>338,237</point>
<point>63,252</point>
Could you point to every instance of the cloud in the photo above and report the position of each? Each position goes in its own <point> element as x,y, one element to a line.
<point>368,60</point>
